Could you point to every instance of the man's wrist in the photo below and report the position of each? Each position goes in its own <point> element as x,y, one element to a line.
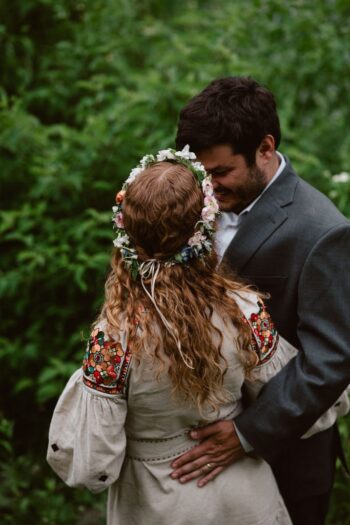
<point>245,444</point>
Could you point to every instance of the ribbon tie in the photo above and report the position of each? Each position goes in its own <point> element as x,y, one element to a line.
<point>149,270</point>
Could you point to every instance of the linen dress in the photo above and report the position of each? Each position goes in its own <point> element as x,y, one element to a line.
<point>117,426</point>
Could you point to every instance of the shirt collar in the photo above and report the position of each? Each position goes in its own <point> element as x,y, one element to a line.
<point>280,168</point>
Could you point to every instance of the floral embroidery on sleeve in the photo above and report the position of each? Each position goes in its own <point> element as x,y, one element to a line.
<point>264,333</point>
<point>106,365</point>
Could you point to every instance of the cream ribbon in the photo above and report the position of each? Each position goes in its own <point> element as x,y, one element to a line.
<point>149,270</point>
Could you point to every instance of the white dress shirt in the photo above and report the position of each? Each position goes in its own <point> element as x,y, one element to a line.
<point>227,227</point>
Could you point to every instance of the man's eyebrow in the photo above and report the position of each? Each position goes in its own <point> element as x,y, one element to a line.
<point>220,168</point>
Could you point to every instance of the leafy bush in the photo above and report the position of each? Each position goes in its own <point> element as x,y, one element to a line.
<point>86,88</point>
<point>29,491</point>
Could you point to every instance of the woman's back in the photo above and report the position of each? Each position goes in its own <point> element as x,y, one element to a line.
<point>155,412</point>
<point>129,439</point>
<point>169,352</point>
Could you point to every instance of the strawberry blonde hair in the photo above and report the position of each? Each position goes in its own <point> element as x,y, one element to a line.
<point>161,209</point>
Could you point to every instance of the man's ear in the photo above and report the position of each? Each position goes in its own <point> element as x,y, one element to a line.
<point>266,150</point>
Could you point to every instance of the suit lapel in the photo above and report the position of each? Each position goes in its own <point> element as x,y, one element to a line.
<point>268,214</point>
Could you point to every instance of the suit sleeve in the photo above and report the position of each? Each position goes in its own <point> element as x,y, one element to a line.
<point>307,386</point>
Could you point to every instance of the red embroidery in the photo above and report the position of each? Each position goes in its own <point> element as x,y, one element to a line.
<point>106,364</point>
<point>264,335</point>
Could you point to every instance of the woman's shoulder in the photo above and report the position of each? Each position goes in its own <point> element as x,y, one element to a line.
<point>107,360</point>
<point>249,302</point>
<point>255,313</point>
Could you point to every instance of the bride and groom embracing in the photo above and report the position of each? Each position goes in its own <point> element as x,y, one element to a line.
<point>180,338</point>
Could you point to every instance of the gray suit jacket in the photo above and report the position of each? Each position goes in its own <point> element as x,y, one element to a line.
<point>295,245</point>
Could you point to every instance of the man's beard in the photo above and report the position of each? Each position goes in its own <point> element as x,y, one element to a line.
<point>244,194</point>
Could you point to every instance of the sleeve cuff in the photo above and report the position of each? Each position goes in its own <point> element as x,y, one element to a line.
<point>245,444</point>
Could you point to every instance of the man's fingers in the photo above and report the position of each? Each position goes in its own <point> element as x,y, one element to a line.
<point>191,475</point>
<point>194,469</point>
<point>209,446</point>
<point>204,432</point>
<point>203,471</point>
<point>198,452</point>
<point>219,448</point>
<point>210,476</point>
<point>191,466</point>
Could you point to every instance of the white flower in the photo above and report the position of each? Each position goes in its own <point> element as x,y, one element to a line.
<point>199,166</point>
<point>185,153</point>
<point>211,202</point>
<point>147,159</point>
<point>115,209</point>
<point>207,186</point>
<point>196,239</point>
<point>208,214</point>
<point>341,177</point>
<point>165,154</point>
<point>135,172</point>
<point>121,241</point>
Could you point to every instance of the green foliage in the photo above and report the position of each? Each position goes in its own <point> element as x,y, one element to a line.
<point>86,88</point>
<point>30,492</point>
<point>339,513</point>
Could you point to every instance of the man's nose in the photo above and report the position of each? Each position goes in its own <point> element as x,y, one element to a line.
<point>215,181</point>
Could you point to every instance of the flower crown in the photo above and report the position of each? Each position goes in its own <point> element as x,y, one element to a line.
<point>201,241</point>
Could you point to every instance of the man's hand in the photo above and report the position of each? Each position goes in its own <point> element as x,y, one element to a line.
<point>219,447</point>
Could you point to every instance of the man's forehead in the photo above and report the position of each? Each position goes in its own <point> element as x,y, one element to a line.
<point>221,155</point>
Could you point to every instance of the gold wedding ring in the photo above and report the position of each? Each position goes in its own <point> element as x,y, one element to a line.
<point>208,467</point>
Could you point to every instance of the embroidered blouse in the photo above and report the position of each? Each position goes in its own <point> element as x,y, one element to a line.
<point>103,401</point>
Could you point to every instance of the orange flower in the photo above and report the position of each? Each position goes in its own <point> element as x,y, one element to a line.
<point>120,197</point>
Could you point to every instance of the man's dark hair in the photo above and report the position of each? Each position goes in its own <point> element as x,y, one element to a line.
<point>233,110</point>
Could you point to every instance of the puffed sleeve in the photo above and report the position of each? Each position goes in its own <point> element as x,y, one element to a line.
<point>273,353</point>
<point>87,437</point>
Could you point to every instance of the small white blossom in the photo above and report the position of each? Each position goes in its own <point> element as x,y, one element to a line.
<point>147,159</point>
<point>121,241</point>
<point>165,154</point>
<point>135,172</point>
<point>208,214</point>
<point>341,177</point>
<point>115,209</point>
<point>199,166</point>
<point>185,153</point>
<point>207,186</point>
<point>211,202</point>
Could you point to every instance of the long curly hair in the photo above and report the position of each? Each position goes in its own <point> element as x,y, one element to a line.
<point>160,209</point>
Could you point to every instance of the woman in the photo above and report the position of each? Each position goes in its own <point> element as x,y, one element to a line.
<point>171,350</point>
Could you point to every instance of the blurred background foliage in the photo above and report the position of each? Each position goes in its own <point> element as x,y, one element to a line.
<point>86,88</point>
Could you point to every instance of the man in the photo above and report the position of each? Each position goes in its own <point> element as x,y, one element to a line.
<point>285,237</point>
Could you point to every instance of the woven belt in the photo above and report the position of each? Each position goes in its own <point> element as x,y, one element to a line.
<point>159,449</point>
<point>141,449</point>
